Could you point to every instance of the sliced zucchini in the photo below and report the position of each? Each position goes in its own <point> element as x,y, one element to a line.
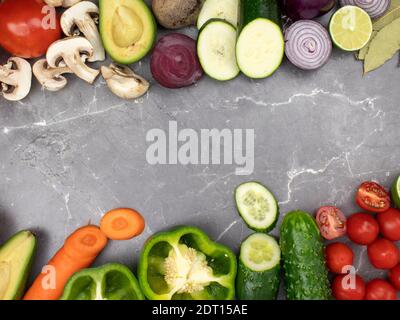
<point>257,206</point>
<point>219,9</point>
<point>260,48</point>
<point>259,268</point>
<point>216,50</point>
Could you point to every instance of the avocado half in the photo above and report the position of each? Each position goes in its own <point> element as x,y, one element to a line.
<point>128,29</point>
<point>16,256</point>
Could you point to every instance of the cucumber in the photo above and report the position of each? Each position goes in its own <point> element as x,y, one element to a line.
<point>260,45</point>
<point>306,276</point>
<point>216,50</point>
<point>395,191</point>
<point>257,206</point>
<point>219,9</point>
<point>258,268</point>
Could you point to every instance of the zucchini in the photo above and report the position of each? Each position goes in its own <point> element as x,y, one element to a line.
<point>258,268</point>
<point>219,9</point>
<point>216,50</point>
<point>306,276</point>
<point>257,206</point>
<point>260,45</point>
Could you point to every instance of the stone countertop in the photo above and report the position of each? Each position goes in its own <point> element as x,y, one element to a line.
<point>68,157</point>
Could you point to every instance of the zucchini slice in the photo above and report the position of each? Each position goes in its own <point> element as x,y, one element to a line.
<point>216,50</point>
<point>219,9</point>
<point>257,206</point>
<point>260,48</point>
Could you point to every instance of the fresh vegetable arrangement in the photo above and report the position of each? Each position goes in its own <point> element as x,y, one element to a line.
<point>234,37</point>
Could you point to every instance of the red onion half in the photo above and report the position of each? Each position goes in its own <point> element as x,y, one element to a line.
<point>174,62</point>
<point>307,44</point>
<point>375,8</point>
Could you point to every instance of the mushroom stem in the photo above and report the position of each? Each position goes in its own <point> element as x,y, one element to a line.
<point>15,79</point>
<point>79,67</point>
<point>89,29</point>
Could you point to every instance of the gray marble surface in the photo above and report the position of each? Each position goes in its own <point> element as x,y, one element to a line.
<point>68,157</point>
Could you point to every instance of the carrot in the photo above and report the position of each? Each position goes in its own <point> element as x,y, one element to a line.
<point>79,251</point>
<point>122,224</point>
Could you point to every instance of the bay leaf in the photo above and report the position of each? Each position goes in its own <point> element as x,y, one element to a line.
<point>389,17</point>
<point>360,55</point>
<point>383,46</point>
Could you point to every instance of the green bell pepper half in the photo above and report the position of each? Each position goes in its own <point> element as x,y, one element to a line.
<point>112,281</point>
<point>184,264</point>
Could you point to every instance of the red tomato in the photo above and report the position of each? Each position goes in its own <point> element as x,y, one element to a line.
<point>389,224</point>
<point>25,31</point>
<point>379,289</point>
<point>343,289</point>
<point>331,222</point>
<point>362,228</point>
<point>372,197</point>
<point>383,254</point>
<point>338,255</point>
<point>394,276</point>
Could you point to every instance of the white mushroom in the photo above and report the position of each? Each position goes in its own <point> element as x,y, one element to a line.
<point>15,79</point>
<point>123,82</point>
<point>81,18</point>
<point>61,3</point>
<point>71,52</point>
<point>50,78</point>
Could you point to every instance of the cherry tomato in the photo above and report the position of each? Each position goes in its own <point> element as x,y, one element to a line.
<point>383,254</point>
<point>394,276</point>
<point>389,224</point>
<point>26,31</point>
<point>362,228</point>
<point>372,197</point>
<point>379,289</point>
<point>343,289</point>
<point>338,256</point>
<point>331,222</point>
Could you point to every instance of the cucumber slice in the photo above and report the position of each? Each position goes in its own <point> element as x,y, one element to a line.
<point>260,48</point>
<point>216,50</point>
<point>219,9</point>
<point>257,206</point>
<point>258,268</point>
<point>396,192</point>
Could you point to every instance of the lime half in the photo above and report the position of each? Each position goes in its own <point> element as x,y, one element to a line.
<point>396,192</point>
<point>350,28</point>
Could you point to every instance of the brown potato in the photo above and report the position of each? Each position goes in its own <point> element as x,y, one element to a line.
<point>175,14</point>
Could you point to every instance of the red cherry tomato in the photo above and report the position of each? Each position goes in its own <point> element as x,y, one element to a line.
<point>389,224</point>
<point>338,256</point>
<point>394,276</point>
<point>344,289</point>
<point>331,222</point>
<point>26,31</point>
<point>383,254</point>
<point>362,228</point>
<point>372,197</point>
<point>379,289</point>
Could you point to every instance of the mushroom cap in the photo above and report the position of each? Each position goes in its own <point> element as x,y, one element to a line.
<point>19,80</point>
<point>50,78</point>
<point>67,46</point>
<point>69,3</point>
<point>77,12</point>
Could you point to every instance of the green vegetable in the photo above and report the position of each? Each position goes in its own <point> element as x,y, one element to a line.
<point>259,268</point>
<point>383,46</point>
<point>396,192</point>
<point>219,9</point>
<point>184,264</point>
<point>16,257</point>
<point>253,9</point>
<point>306,276</point>
<point>112,281</point>
<point>128,29</point>
<point>257,206</point>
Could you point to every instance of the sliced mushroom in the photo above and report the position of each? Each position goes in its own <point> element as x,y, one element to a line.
<point>81,18</point>
<point>15,79</point>
<point>50,78</point>
<point>72,53</point>
<point>123,82</point>
<point>62,3</point>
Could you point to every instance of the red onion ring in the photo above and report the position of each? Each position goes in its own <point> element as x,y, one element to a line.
<point>174,62</point>
<point>307,44</point>
<point>375,8</point>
